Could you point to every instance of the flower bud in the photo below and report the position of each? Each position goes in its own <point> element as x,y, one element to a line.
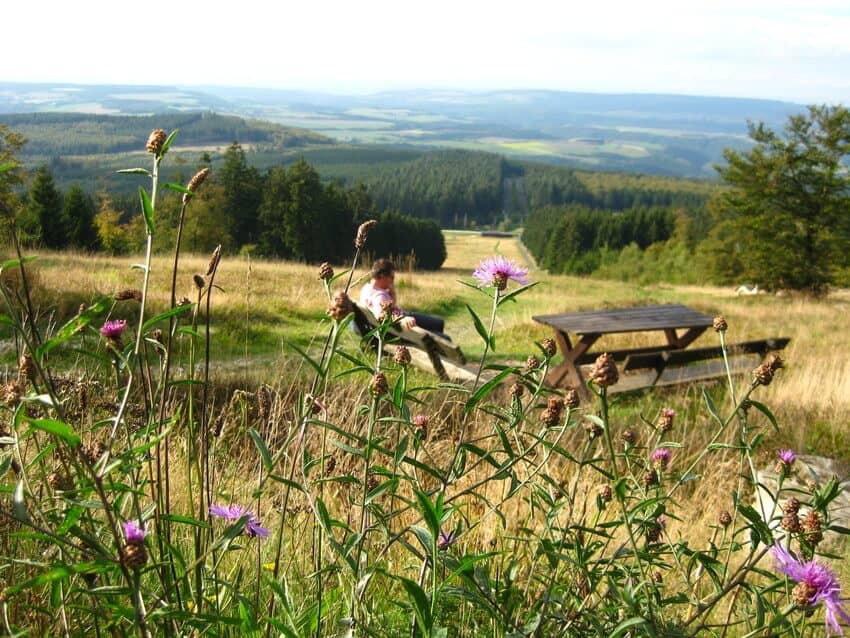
<point>155,141</point>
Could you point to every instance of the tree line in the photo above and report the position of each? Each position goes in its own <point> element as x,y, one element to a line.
<point>286,212</point>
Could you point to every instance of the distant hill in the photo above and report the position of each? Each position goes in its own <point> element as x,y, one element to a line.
<point>57,134</point>
<point>673,135</point>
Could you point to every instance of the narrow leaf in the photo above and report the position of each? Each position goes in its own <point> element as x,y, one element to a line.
<point>147,209</point>
<point>262,449</point>
<point>135,171</point>
<point>56,428</point>
<point>479,327</point>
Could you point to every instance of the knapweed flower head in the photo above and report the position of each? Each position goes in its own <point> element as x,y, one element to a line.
<point>233,513</point>
<point>787,457</point>
<point>665,421</point>
<point>661,458</point>
<point>446,540</point>
<point>815,583</point>
<point>496,271</point>
<point>134,533</point>
<point>113,329</point>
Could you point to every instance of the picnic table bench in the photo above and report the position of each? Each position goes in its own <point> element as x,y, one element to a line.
<point>427,349</point>
<point>663,364</point>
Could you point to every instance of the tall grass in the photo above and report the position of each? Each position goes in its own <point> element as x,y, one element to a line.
<point>240,463</point>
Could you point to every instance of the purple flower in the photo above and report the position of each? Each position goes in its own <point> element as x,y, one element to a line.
<point>233,513</point>
<point>134,534</point>
<point>668,413</point>
<point>786,457</point>
<point>446,540</point>
<point>113,329</point>
<point>816,583</point>
<point>496,271</point>
<point>661,458</point>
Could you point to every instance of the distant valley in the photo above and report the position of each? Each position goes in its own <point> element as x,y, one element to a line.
<point>651,134</point>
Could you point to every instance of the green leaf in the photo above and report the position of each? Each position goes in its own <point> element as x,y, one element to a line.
<point>421,605</point>
<point>624,626</point>
<point>165,315</point>
<point>14,263</point>
<point>167,144</point>
<point>186,520</point>
<point>486,389</point>
<point>19,506</point>
<point>308,359</point>
<point>761,407</point>
<point>511,296</point>
<point>135,171</point>
<point>7,167</point>
<point>56,428</point>
<point>147,209</point>
<point>178,188</point>
<point>479,327</point>
<point>262,449</point>
<point>712,409</point>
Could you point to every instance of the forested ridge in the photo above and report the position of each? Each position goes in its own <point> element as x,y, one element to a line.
<point>56,134</point>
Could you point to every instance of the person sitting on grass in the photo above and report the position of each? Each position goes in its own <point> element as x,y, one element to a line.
<point>379,296</point>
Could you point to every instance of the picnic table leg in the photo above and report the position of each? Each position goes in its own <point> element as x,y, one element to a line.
<point>568,372</point>
<point>685,340</point>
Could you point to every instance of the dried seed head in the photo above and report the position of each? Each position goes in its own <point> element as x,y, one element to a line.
<point>654,529</point>
<point>571,398</point>
<point>548,346</point>
<point>94,451</point>
<point>421,423</point>
<point>387,311</point>
<point>551,417</point>
<point>665,421</point>
<point>725,518</point>
<point>379,385</point>
<point>791,522</point>
<point>812,525</point>
<point>803,593</point>
<point>155,141</point>
<point>340,307</point>
<point>184,301</point>
<point>330,466</point>
<point>197,179</point>
<point>11,393</point>
<point>129,293</point>
<point>59,481</point>
<point>517,390</point>
<point>763,374</point>
<point>650,478</point>
<point>594,430</point>
<point>26,367</point>
<point>81,309</point>
<point>629,437</point>
<point>215,257</point>
<point>402,356</point>
<point>719,324</point>
<point>326,271</point>
<point>199,282</point>
<point>605,493</point>
<point>792,506</point>
<point>218,425</point>
<point>264,403</point>
<point>134,556</point>
<point>555,403</point>
<point>532,363</point>
<point>604,372</point>
<point>363,232</point>
<point>372,481</point>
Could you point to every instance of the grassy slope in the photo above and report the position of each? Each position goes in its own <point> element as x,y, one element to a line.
<point>262,305</point>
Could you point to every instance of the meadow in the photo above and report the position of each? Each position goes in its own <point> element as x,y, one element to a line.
<point>409,508</point>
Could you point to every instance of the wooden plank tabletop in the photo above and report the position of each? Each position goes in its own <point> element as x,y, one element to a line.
<point>640,318</point>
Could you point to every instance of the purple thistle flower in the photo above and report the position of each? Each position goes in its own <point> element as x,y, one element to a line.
<point>113,329</point>
<point>661,458</point>
<point>496,271</point>
<point>134,533</point>
<point>233,513</point>
<point>786,457</point>
<point>668,412</point>
<point>816,583</point>
<point>446,540</point>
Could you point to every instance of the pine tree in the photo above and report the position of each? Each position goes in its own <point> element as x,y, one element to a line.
<point>41,221</point>
<point>78,219</point>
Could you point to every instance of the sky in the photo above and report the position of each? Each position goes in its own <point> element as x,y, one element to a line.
<point>779,49</point>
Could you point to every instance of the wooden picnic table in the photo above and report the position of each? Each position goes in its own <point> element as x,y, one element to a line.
<point>590,326</point>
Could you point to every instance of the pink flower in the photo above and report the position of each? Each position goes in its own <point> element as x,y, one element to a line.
<point>134,533</point>
<point>496,271</point>
<point>446,540</point>
<point>816,583</point>
<point>661,458</point>
<point>233,513</point>
<point>113,329</point>
<point>786,457</point>
<point>668,413</point>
